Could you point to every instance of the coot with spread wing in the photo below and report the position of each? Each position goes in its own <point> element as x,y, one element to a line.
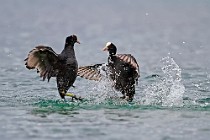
<point>49,64</point>
<point>122,69</point>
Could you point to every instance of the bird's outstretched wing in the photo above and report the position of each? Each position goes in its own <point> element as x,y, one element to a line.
<point>128,58</point>
<point>91,72</point>
<point>45,60</point>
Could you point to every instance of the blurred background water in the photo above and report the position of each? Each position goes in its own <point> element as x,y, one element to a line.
<point>170,40</point>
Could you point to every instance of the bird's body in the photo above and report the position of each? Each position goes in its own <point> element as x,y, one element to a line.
<point>63,66</point>
<point>67,71</point>
<point>122,69</point>
<point>122,75</point>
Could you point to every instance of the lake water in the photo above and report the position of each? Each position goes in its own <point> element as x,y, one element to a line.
<point>170,40</point>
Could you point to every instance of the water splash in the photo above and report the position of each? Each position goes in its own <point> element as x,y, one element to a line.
<point>168,90</point>
<point>103,93</point>
<point>100,91</point>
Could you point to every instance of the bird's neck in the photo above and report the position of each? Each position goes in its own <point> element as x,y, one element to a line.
<point>68,50</point>
<point>112,55</point>
<point>111,58</point>
<point>69,45</point>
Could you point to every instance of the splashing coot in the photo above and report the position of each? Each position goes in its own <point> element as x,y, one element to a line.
<point>122,69</point>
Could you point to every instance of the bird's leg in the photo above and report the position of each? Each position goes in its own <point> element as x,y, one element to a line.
<point>128,98</point>
<point>122,97</point>
<point>123,93</point>
<point>130,94</point>
<point>63,93</point>
<point>73,96</point>
<point>70,94</point>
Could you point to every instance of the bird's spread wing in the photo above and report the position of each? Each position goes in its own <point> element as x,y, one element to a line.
<point>128,58</point>
<point>91,72</point>
<point>44,59</point>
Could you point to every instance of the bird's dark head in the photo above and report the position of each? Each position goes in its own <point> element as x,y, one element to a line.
<point>71,40</point>
<point>111,48</point>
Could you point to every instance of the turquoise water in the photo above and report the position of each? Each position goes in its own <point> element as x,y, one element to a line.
<point>170,40</point>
